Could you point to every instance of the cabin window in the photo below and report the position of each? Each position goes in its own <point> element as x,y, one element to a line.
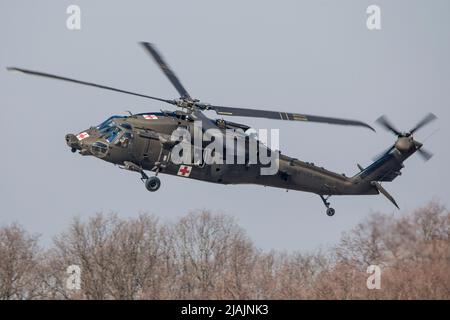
<point>124,140</point>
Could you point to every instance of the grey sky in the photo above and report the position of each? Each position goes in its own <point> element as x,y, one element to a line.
<point>301,56</point>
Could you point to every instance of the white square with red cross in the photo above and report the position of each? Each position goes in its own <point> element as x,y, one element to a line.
<point>184,171</point>
<point>82,136</point>
<point>150,117</point>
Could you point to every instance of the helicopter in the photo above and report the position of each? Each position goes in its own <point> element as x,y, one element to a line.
<point>146,142</point>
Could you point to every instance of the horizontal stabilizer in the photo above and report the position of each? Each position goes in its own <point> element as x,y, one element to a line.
<point>384,192</point>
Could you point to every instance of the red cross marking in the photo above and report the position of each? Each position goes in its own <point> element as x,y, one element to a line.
<point>82,135</point>
<point>184,170</point>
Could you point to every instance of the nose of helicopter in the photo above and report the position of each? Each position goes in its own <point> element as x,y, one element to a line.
<point>73,142</point>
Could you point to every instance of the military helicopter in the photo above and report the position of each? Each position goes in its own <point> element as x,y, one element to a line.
<point>144,141</point>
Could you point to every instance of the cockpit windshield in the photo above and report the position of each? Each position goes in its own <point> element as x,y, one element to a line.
<point>108,129</point>
<point>108,123</point>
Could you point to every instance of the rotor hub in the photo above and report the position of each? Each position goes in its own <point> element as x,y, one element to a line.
<point>404,144</point>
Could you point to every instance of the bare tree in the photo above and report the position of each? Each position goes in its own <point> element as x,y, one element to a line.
<point>19,263</point>
<point>118,258</point>
<point>208,256</point>
<point>207,248</point>
<point>414,251</point>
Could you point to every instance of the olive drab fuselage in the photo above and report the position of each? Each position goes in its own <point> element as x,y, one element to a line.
<point>140,139</point>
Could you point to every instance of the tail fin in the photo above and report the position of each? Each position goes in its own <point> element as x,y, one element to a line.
<point>386,168</point>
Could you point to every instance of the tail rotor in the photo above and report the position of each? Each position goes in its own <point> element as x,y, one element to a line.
<point>405,141</point>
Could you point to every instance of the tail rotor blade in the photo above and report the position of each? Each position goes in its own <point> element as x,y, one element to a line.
<point>426,120</point>
<point>425,154</point>
<point>385,123</point>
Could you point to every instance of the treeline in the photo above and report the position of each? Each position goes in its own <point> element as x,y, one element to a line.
<point>208,256</point>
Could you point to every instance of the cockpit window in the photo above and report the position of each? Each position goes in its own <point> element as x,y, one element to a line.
<point>108,129</point>
<point>112,133</point>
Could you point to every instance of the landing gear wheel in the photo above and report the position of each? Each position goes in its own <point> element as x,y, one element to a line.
<point>152,184</point>
<point>330,212</point>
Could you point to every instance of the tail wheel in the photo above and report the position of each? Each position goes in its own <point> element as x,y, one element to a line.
<point>152,184</point>
<point>330,212</point>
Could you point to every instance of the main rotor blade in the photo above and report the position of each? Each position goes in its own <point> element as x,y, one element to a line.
<point>241,112</point>
<point>207,123</point>
<point>427,119</point>
<point>52,76</point>
<point>425,154</point>
<point>166,69</point>
<point>384,122</point>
